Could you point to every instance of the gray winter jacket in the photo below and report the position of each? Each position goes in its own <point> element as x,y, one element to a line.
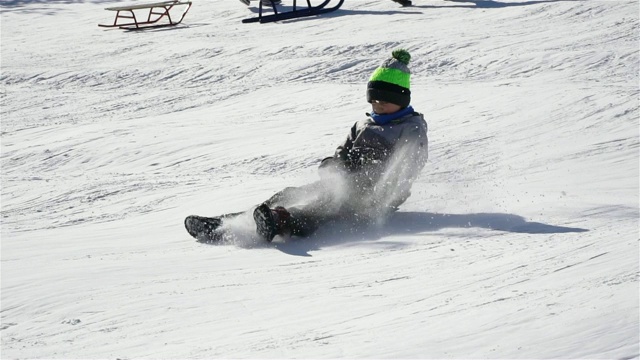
<point>383,161</point>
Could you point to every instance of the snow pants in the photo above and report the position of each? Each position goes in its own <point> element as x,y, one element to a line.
<point>316,204</point>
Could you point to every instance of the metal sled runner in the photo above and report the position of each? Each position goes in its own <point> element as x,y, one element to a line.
<point>294,13</point>
<point>126,17</point>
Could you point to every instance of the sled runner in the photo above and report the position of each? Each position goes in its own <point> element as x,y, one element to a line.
<point>294,13</point>
<point>126,17</point>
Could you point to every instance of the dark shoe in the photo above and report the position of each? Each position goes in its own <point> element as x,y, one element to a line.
<point>270,223</point>
<point>203,228</point>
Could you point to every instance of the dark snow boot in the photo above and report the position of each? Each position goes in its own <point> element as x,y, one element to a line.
<point>270,223</point>
<point>203,228</point>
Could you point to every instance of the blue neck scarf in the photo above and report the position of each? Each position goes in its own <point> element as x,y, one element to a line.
<point>387,118</point>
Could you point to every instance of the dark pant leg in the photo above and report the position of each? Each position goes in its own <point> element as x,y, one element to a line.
<point>305,221</point>
<point>295,196</point>
<point>310,206</point>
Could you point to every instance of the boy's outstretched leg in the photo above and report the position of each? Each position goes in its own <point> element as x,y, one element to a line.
<point>296,211</point>
<point>282,221</point>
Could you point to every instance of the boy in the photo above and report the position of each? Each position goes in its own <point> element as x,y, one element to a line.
<point>367,179</point>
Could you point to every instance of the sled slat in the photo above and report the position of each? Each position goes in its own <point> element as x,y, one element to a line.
<point>157,12</point>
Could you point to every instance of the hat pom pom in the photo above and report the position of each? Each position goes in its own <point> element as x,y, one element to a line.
<point>401,55</point>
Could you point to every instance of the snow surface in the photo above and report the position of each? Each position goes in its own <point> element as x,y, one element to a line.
<point>520,239</point>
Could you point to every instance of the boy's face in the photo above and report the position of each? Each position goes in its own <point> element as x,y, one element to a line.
<point>383,107</point>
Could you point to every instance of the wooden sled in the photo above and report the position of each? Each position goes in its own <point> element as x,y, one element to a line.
<point>126,17</point>
<point>294,13</point>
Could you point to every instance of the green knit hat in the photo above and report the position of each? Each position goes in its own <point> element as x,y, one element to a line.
<point>391,81</point>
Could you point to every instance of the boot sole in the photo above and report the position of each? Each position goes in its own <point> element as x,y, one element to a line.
<point>265,224</point>
<point>201,227</point>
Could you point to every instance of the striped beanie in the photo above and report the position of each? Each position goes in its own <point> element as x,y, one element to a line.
<point>390,81</point>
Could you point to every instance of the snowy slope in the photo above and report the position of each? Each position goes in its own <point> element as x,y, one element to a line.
<point>520,239</point>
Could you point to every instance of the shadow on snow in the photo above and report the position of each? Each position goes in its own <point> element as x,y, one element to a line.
<point>414,223</point>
